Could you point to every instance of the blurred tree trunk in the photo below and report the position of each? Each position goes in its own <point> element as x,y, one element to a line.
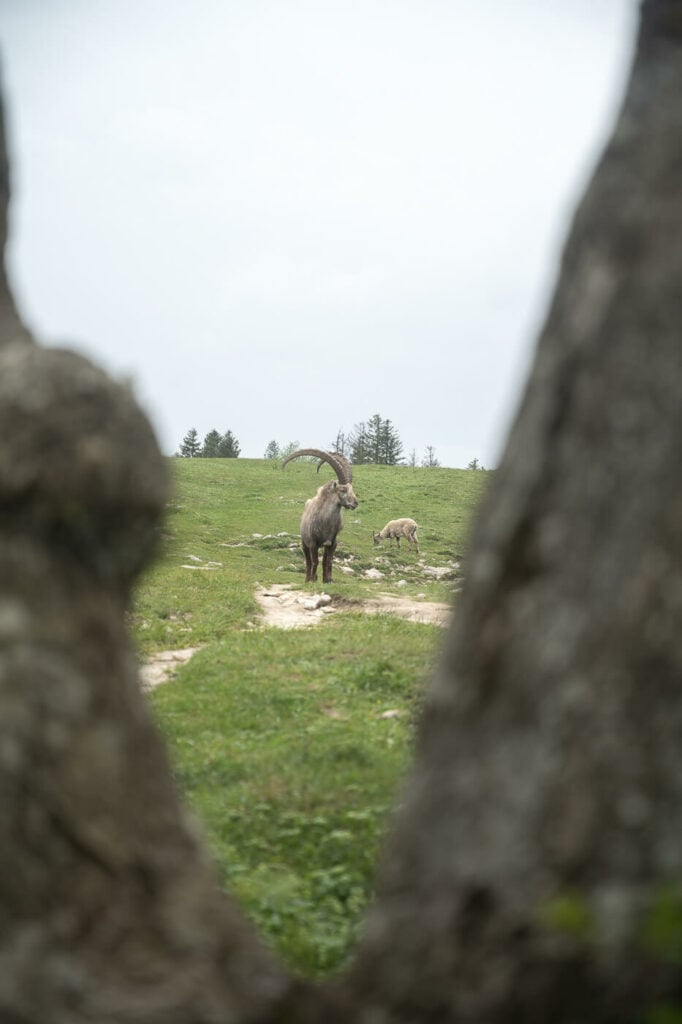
<point>535,867</point>
<point>535,871</point>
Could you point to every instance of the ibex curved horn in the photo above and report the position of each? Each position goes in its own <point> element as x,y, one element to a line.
<point>339,463</point>
<point>344,462</point>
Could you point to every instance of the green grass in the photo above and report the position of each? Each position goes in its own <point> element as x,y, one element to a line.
<point>277,737</point>
<point>219,505</point>
<point>280,745</point>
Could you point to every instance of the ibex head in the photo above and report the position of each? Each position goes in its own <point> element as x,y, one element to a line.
<point>341,467</point>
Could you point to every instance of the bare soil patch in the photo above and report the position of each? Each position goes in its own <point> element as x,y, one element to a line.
<point>285,608</point>
<point>292,609</point>
<point>162,666</point>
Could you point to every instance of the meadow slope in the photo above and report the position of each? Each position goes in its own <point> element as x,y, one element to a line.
<point>290,744</point>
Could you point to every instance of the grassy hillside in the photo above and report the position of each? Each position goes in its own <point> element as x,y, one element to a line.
<point>290,745</point>
<point>243,515</point>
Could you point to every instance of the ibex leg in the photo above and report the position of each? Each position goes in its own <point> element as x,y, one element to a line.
<point>310,563</point>
<point>327,559</point>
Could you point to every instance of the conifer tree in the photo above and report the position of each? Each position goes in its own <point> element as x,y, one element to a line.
<point>228,446</point>
<point>359,444</point>
<point>190,447</point>
<point>210,449</point>
<point>375,439</point>
<point>392,446</point>
<point>382,443</point>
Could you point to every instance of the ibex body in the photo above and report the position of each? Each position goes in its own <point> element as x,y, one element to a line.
<point>396,529</point>
<point>321,521</point>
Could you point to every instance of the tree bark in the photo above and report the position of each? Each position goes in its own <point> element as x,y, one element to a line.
<point>109,907</point>
<point>535,865</point>
<point>541,834</point>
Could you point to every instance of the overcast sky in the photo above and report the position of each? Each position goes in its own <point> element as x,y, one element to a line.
<point>280,217</point>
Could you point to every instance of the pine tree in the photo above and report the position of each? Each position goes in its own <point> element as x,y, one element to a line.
<point>190,447</point>
<point>392,445</point>
<point>375,439</point>
<point>211,445</point>
<point>358,444</point>
<point>383,444</point>
<point>228,447</point>
<point>272,451</point>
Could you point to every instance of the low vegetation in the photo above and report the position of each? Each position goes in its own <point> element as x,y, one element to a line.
<point>291,745</point>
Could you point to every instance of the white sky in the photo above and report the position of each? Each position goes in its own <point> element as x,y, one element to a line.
<point>280,217</point>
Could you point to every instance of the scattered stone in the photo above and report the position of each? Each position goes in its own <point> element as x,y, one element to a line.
<point>393,713</point>
<point>438,571</point>
<point>285,608</point>
<point>311,604</point>
<point>163,666</point>
<point>276,591</point>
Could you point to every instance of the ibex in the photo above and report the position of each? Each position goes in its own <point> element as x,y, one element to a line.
<point>321,520</point>
<point>398,528</point>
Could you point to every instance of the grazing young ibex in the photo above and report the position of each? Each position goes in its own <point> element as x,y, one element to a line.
<point>321,520</point>
<point>398,528</point>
